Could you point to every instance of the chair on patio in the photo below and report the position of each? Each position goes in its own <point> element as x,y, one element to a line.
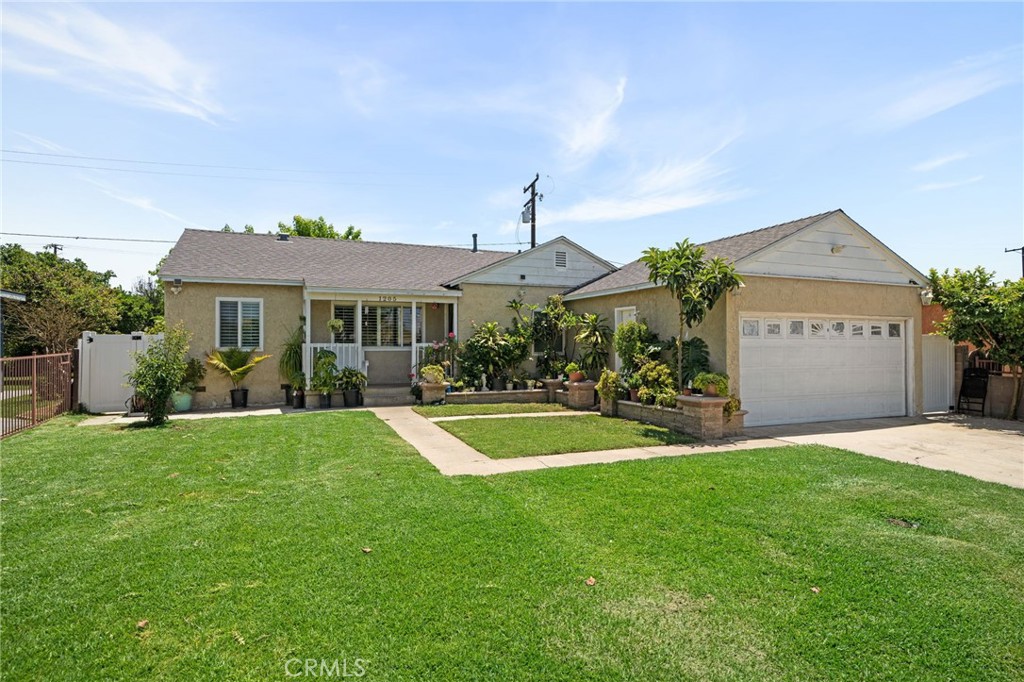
<point>973,390</point>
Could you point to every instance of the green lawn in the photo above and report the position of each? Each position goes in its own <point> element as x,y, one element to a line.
<point>239,541</point>
<point>497,408</point>
<point>503,438</point>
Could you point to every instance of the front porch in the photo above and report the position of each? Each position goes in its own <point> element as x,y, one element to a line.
<point>384,336</point>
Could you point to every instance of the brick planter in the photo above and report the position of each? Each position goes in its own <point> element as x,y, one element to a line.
<point>696,416</point>
<point>533,395</point>
<point>581,395</point>
<point>609,408</point>
<point>551,386</point>
<point>432,393</point>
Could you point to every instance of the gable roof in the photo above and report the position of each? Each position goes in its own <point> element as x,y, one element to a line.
<point>736,248</point>
<point>528,253</point>
<point>320,263</point>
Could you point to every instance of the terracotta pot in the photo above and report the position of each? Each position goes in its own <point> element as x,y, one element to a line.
<point>577,376</point>
<point>634,394</point>
<point>687,391</point>
<point>711,390</point>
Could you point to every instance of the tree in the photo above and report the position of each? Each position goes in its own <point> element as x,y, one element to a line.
<point>695,282</point>
<point>159,371</point>
<point>141,308</point>
<point>318,227</point>
<point>248,229</point>
<point>65,298</point>
<point>984,313</point>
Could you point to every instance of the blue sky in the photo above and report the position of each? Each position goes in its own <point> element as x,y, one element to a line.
<point>422,123</point>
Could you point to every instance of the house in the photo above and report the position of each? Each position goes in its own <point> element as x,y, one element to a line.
<point>252,291</point>
<point>827,325</point>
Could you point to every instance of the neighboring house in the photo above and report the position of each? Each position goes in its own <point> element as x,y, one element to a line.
<point>827,325</point>
<point>249,290</point>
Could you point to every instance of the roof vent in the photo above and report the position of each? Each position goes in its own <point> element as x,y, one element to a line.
<point>282,237</point>
<point>560,259</point>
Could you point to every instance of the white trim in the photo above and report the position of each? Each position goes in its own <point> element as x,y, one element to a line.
<point>216,316</point>
<point>612,292</point>
<point>910,381</point>
<point>513,256</point>
<point>419,295</point>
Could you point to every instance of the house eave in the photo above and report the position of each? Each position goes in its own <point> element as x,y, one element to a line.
<point>610,292</point>
<point>232,280</point>
<point>420,293</point>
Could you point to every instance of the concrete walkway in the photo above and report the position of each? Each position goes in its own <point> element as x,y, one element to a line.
<point>986,449</point>
<point>452,457</point>
<point>215,413</point>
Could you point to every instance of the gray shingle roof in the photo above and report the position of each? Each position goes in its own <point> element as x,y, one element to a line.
<point>732,248</point>
<point>327,263</point>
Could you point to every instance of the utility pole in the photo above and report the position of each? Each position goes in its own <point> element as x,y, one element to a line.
<point>530,208</point>
<point>55,247</point>
<point>1021,249</point>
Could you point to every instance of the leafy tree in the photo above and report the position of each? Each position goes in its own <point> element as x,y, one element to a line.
<point>695,282</point>
<point>65,298</point>
<point>987,314</point>
<point>317,227</point>
<point>141,308</point>
<point>159,371</point>
<point>248,229</point>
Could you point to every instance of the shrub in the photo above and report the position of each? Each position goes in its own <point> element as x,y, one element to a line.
<point>432,374</point>
<point>351,379</point>
<point>609,385</point>
<point>656,384</point>
<point>159,371</point>
<point>636,345</point>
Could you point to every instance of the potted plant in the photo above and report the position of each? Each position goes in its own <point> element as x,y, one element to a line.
<point>289,362</point>
<point>351,381</point>
<point>325,377</point>
<point>298,384</point>
<point>195,371</point>
<point>633,383</point>
<point>711,384</point>
<point>608,386</point>
<point>235,364</point>
<point>335,326</point>
<point>432,384</point>
<point>573,370</point>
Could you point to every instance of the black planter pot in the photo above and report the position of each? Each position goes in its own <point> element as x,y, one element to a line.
<point>239,397</point>
<point>351,397</point>
<point>288,395</point>
<point>498,384</point>
<point>298,399</point>
<point>325,400</point>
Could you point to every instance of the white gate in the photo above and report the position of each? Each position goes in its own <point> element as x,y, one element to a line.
<point>937,367</point>
<point>104,359</point>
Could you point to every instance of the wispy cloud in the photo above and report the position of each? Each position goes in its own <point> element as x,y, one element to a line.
<point>667,187</point>
<point>144,203</point>
<point>586,123</point>
<point>38,143</point>
<point>937,91</point>
<point>935,186</point>
<point>938,162</point>
<point>364,82</point>
<point>82,49</point>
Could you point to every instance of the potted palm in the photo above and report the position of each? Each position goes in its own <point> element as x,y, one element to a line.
<point>351,381</point>
<point>325,377</point>
<point>195,371</point>
<point>235,364</point>
<point>289,362</point>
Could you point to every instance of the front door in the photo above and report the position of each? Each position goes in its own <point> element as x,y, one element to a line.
<point>623,315</point>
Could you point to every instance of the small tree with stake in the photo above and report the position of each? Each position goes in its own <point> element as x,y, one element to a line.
<point>695,282</point>
<point>986,314</point>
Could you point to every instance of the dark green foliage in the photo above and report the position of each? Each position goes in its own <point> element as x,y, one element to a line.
<point>289,361</point>
<point>695,359</point>
<point>594,337</point>
<point>317,227</point>
<point>656,384</point>
<point>635,344</point>
<point>141,308</point>
<point>159,371</point>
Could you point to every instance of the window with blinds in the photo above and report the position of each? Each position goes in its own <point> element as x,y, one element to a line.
<point>391,326</point>
<point>240,323</point>
<point>347,314</point>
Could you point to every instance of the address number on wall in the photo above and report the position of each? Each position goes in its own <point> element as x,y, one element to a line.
<point>388,299</point>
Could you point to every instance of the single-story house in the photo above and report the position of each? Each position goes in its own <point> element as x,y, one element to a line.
<point>252,290</point>
<point>827,325</point>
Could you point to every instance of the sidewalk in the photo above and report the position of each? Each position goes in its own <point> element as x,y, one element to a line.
<point>452,457</point>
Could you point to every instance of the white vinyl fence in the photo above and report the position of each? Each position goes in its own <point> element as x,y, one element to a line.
<point>104,359</point>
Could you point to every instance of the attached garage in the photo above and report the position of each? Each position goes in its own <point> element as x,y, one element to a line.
<point>801,369</point>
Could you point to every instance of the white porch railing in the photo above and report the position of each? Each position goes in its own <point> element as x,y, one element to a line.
<point>347,353</point>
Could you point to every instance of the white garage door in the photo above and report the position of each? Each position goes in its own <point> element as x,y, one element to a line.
<point>799,369</point>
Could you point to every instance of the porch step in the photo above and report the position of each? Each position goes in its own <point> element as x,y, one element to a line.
<point>383,396</point>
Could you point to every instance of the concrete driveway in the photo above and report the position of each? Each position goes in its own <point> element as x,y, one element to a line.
<point>987,449</point>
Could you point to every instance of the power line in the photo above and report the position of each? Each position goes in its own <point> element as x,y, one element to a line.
<point>102,239</point>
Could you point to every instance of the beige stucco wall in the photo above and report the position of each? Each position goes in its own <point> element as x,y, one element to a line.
<point>321,311</point>
<point>775,295</point>
<point>487,303</point>
<point>195,305</point>
<point>772,295</point>
<point>660,312</point>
